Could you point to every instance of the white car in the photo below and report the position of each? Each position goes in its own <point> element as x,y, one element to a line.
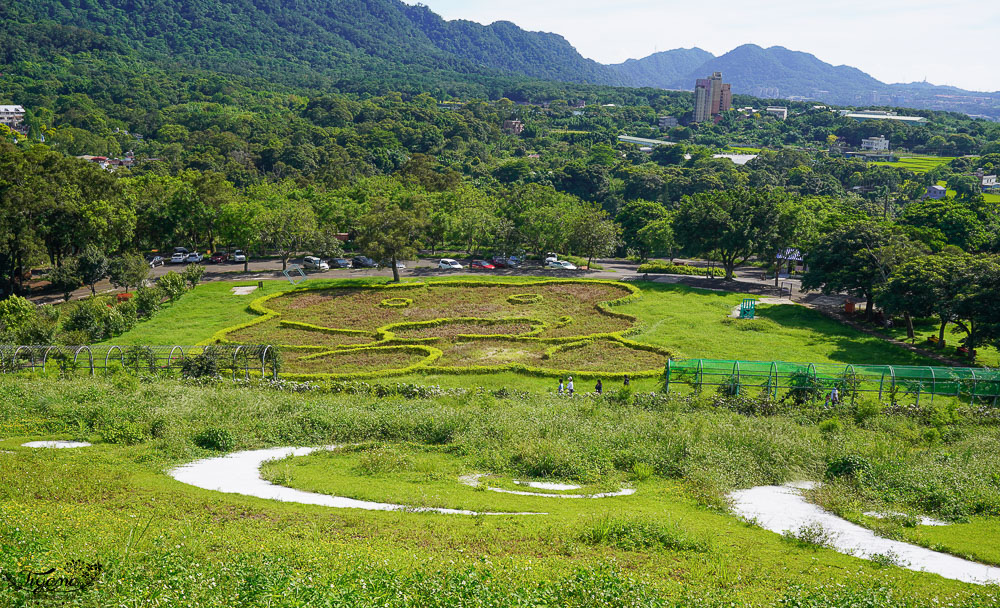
<point>314,263</point>
<point>449,264</point>
<point>551,257</point>
<point>194,258</point>
<point>239,256</point>
<point>560,265</point>
<point>178,258</point>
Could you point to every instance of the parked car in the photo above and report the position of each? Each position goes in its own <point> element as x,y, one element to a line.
<point>363,261</point>
<point>183,250</point>
<point>312,262</point>
<point>238,256</point>
<point>219,257</point>
<point>560,265</point>
<point>551,257</point>
<point>155,260</point>
<point>340,263</point>
<point>482,265</point>
<point>449,264</point>
<point>178,258</point>
<point>401,265</point>
<point>194,258</point>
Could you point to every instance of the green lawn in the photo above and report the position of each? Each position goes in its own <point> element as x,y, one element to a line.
<point>919,163</point>
<point>673,543</point>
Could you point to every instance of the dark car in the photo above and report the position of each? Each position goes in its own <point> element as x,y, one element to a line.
<point>183,250</point>
<point>340,263</point>
<point>155,260</point>
<point>504,262</point>
<point>482,265</point>
<point>363,261</point>
<point>219,257</point>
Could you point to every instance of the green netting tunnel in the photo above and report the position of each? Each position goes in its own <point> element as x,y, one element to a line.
<point>964,382</point>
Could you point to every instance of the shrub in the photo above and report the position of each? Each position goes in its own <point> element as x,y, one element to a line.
<point>847,466</point>
<point>396,303</point>
<point>89,317</point>
<point>14,312</point>
<point>636,534</point>
<point>212,438</point>
<point>172,285</point>
<point>865,410</point>
<point>641,471</point>
<point>812,535</point>
<point>147,301</point>
<point>139,358</point>
<point>830,427</point>
<point>121,318</point>
<point>382,459</point>
<point>207,364</point>
<point>524,298</point>
<point>192,274</point>
<point>661,267</point>
<point>125,433</point>
<point>65,278</point>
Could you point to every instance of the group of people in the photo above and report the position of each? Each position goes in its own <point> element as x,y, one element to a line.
<point>567,387</point>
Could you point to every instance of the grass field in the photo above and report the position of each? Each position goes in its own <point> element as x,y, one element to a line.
<point>919,163</point>
<point>673,543</point>
<point>689,323</point>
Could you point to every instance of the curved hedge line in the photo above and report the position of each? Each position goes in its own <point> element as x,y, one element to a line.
<point>396,303</point>
<point>385,336</point>
<point>524,298</point>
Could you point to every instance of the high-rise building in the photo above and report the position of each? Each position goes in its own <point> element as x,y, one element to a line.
<point>711,97</point>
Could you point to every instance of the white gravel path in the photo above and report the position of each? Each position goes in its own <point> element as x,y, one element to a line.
<point>473,480</point>
<point>239,473</point>
<point>783,508</point>
<point>56,444</point>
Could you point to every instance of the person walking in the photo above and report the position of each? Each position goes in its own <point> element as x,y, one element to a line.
<point>599,386</point>
<point>834,397</point>
<point>560,386</point>
<point>626,380</point>
<point>569,385</point>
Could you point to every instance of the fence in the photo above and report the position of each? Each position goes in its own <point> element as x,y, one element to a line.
<point>154,359</point>
<point>815,379</point>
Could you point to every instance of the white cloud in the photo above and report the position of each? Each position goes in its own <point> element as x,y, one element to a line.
<point>893,40</point>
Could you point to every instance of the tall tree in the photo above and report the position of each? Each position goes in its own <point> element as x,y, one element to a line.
<point>392,231</point>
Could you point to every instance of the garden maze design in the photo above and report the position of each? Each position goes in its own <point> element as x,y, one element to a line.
<point>545,328</point>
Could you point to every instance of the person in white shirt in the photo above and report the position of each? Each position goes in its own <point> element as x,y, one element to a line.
<point>569,385</point>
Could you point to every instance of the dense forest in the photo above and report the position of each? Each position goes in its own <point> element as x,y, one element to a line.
<point>280,160</point>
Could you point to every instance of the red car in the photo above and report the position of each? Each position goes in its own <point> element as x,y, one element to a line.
<point>482,265</point>
<point>219,257</point>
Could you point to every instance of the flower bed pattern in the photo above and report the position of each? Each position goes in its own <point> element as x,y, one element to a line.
<point>346,332</point>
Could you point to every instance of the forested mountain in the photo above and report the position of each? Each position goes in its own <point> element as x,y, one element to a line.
<point>666,69</point>
<point>395,46</point>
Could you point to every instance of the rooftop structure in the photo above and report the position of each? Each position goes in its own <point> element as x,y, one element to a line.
<point>936,192</point>
<point>780,112</point>
<point>513,127</point>
<point>882,115</point>
<point>643,141</point>
<point>667,122</point>
<point>875,144</point>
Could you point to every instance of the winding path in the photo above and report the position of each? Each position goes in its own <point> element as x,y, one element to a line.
<point>239,473</point>
<point>783,508</point>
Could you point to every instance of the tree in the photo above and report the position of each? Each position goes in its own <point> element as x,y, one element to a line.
<point>287,228</point>
<point>923,287</point>
<point>65,278</point>
<point>239,225</point>
<point>658,237</point>
<point>192,274</point>
<point>129,270</point>
<point>391,232</point>
<point>594,234</point>
<point>959,224</point>
<point>92,266</point>
<point>857,258</point>
<point>731,224</point>
<point>635,216</point>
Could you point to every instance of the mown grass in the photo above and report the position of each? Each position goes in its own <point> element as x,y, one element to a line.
<point>694,323</point>
<point>162,542</point>
<point>919,163</point>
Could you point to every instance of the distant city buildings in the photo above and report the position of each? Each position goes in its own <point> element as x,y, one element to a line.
<point>780,112</point>
<point>12,117</point>
<point>667,122</point>
<point>711,97</point>
<point>765,92</point>
<point>513,127</point>
<point>875,144</point>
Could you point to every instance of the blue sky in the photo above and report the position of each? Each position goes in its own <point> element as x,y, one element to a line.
<point>946,42</point>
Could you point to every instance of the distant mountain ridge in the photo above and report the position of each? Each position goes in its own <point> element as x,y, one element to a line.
<point>339,41</point>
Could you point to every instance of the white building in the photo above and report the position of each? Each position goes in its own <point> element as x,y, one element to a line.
<point>12,116</point>
<point>668,122</point>
<point>875,144</point>
<point>779,111</point>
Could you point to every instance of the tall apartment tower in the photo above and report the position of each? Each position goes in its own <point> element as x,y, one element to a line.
<point>711,97</point>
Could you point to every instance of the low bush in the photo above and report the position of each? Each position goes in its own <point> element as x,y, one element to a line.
<point>172,285</point>
<point>396,302</point>
<point>661,267</point>
<point>637,534</point>
<point>218,439</point>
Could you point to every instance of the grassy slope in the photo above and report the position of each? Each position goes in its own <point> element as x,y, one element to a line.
<point>919,163</point>
<point>204,548</point>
